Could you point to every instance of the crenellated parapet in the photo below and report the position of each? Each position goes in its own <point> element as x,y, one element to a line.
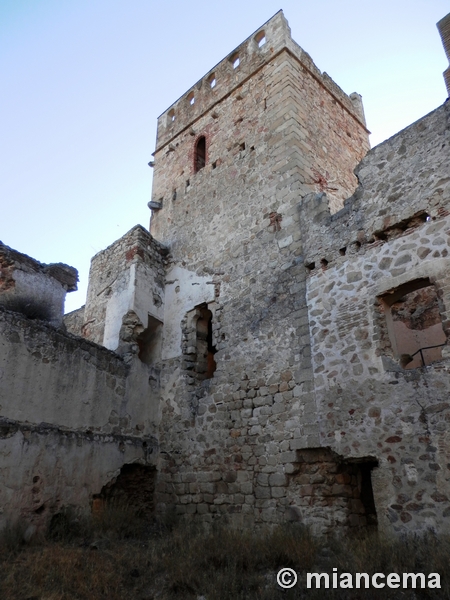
<point>229,74</point>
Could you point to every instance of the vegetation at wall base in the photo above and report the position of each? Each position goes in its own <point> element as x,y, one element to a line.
<point>117,555</point>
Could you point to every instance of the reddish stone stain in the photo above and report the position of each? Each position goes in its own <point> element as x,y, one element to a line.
<point>132,252</point>
<point>393,439</point>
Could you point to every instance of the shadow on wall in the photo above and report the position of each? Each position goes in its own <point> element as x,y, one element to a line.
<point>133,488</point>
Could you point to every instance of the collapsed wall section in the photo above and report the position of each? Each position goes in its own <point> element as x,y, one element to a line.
<point>47,470</point>
<point>378,296</point>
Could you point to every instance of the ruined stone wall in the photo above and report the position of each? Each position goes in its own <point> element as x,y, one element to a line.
<point>374,403</point>
<point>47,470</point>
<point>126,277</point>
<point>33,288</point>
<point>444,29</point>
<point>74,321</point>
<point>72,414</point>
<point>271,126</point>
<point>70,382</point>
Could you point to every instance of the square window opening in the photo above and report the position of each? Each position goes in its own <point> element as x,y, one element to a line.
<point>414,324</point>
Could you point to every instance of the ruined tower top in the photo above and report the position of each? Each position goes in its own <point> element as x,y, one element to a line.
<point>264,116</point>
<point>243,62</point>
<point>444,29</point>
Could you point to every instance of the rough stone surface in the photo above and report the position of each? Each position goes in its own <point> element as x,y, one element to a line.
<point>33,288</point>
<point>72,414</point>
<point>268,341</point>
<point>127,276</point>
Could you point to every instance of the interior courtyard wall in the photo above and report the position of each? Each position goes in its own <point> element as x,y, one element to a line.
<point>304,397</point>
<point>72,414</point>
<point>393,231</point>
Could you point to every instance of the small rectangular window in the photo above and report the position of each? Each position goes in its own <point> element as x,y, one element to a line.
<point>200,154</point>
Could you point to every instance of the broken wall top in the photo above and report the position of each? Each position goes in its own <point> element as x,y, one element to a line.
<point>402,182</point>
<point>11,260</point>
<point>32,288</point>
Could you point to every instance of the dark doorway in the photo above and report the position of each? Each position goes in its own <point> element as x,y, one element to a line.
<point>133,489</point>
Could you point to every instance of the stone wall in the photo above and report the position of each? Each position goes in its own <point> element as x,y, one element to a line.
<point>47,470</point>
<point>275,129</point>
<point>272,339</point>
<point>444,29</point>
<point>72,414</point>
<point>33,288</point>
<point>392,235</point>
<point>74,321</point>
<point>125,279</point>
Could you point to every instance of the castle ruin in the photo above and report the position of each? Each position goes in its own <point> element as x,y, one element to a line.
<point>276,348</point>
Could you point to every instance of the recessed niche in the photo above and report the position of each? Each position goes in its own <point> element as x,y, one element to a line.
<point>212,81</point>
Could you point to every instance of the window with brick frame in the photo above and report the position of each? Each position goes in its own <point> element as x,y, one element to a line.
<point>200,154</point>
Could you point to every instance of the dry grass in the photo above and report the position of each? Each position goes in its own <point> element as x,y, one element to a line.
<point>117,557</point>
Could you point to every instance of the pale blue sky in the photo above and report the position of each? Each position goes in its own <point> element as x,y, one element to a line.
<point>83,82</point>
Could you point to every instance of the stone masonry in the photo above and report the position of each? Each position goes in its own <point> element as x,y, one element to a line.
<point>276,348</point>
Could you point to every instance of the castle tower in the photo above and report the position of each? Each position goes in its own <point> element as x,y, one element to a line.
<point>444,29</point>
<point>234,157</point>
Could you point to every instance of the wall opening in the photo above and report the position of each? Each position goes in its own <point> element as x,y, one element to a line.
<point>205,363</point>
<point>260,38</point>
<point>171,116</point>
<point>366,491</point>
<point>150,341</point>
<point>212,80</point>
<point>200,153</point>
<point>133,489</point>
<point>322,478</point>
<point>414,323</point>
<point>201,330</point>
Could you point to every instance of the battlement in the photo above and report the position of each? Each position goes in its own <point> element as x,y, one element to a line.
<point>245,61</point>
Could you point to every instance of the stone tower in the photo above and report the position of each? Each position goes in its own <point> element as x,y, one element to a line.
<point>278,348</point>
<point>234,157</point>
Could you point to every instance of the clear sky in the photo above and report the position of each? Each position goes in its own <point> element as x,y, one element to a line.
<point>83,82</point>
